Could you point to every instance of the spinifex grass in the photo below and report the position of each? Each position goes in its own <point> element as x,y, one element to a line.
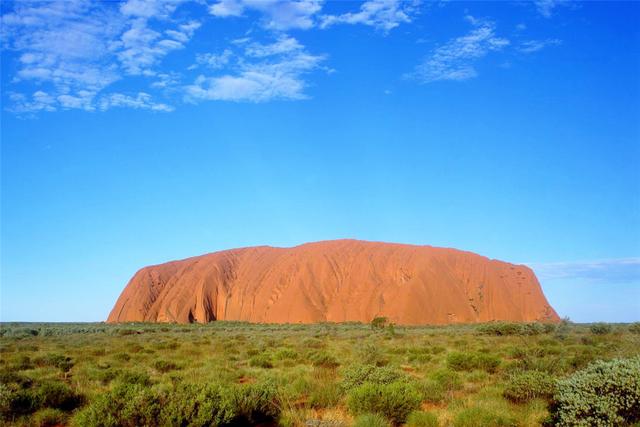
<point>290,375</point>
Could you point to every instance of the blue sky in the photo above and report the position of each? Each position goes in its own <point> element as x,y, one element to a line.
<point>136,132</point>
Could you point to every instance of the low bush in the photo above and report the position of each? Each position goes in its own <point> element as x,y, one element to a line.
<point>212,405</point>
<point>379,322</point>
<point>480,417</point>
<point>286,354</point>
<point>129,405</point>
<point>422,419</point>
<point>59,361</point>
<point>469,361</point>
<point>105,376</point>
<point>134,377</point>
<point>261,361</point>
<point>126,405</point>
<point>394,401</point>
<point>164,366</point>
<point>53,394</point>
<point>419,355</point>
<point>16,400</point>
<point>10,377</point>
<point>325,395</point>
<point>500,328</point>
<point>634,328</point>
<point>253,403</point>
<point>49,417</point>
<point>324,360</point>
<point>122,357</point>
<point>603,394</point>
<point>356,375</point>
<point>196,405</point>
<point>526,386</point>
<point>21,363</point>
<point>370,420</point>
<point>507,328</point>
<point>371,354</point>
<point>600,328</point>
<point>440,385</point>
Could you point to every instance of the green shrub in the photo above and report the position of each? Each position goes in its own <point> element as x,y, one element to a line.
<point>422,419</point>
<point>600,328</point>
<point>254,351</point>
<point>634,328</point>
<point>470,361</point>
<point>500,328</point>
<point>604,394</point>
<point>370,420</point>
<point>548,328</point>
<point>261,361</point>
<point>582,359</point>
<point>371,354</point>
<point>254,403</point>
<point>507,328</point>
<point>134,377</point>
<point>286,353</point>
<point>395,401</point>
<point>105,376</point>
<point>59,361</point>
<point>419,355</point>
<point>197,405</point>
<point>479,417</point>
<point>56,395</point>
<point>324,360</point>
<point>49,417</point>
<point>10,377</point>
<point>15,401</point>
<point>379,322</point>
<point>164,366</point>
<point>526,386</point>
<point>22,362</point>
<point>126,405</point>
<point>440,385</point>
<point>325,395</point>
<point>122,357</point>
<point>356,375</point>
<point>212,405</point>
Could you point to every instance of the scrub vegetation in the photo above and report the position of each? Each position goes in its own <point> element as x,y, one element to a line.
<point>322,375</point>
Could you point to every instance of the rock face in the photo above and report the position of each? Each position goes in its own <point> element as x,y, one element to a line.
<point>334,281</point>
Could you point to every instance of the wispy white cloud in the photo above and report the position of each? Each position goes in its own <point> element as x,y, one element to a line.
<point>66,44</point>
<point>143,48</point>
<point>140,101</point>
<point>166,80</point>
<point>546,7</point>
<point>212,60</point>
<point>283,45</point>
<point>276,73</point>
<point>455,59</point>
<point>73,50</point>
<point>277,14</point>
<point>384,15</point>
<point>532,46</point>
<point>160,9</point>
<point>611,271</point>
<point>38,101</point>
